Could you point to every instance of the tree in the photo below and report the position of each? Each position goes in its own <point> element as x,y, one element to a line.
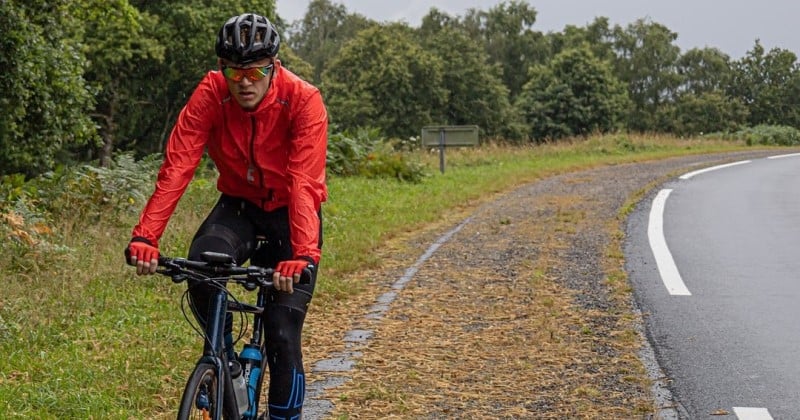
<point>295,64</point>
<point>768,83</point>
<point>435,21</point>
<point>597,35</point>
<point>646,61</point>
<point>477,94</point>
<point>576,94</point>
<point>383,79</point>
<point>704,70</point>
<point>117,41</point>
<point>323,30</point>
<point>508,37</point>
<point>45,104</point>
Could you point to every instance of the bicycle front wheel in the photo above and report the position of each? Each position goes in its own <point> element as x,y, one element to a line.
<point>199,399</point>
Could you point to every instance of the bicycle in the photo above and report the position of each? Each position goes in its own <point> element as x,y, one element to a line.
<point>210,392</point>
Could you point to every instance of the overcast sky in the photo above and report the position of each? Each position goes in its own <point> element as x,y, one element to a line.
<point>730,25</point>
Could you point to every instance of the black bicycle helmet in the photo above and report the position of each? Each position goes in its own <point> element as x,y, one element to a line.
<point>247,38</point>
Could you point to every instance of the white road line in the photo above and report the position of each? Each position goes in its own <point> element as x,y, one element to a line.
<point>750,413</point>
<point>783,156</point>
<point>655,233</point>
<point>713,168</point>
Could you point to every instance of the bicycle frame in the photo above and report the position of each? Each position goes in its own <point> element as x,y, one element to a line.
<point>219,269</point>
<point>214,346</point>
<point>214,350</point>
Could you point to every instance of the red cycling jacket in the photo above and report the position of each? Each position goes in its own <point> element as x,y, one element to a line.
<point>273,156</point>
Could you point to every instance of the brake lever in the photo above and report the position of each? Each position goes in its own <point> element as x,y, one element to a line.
<point>305,275</point>
<point>257,276</point>
<point>179,278</point>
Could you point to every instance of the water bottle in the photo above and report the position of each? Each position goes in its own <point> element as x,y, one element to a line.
<point>239,386</point>
<point>251,365</point>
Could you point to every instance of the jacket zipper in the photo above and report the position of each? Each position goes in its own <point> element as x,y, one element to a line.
<point>254,164</point>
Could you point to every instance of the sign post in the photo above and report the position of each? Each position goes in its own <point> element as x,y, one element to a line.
<point>443,136</point>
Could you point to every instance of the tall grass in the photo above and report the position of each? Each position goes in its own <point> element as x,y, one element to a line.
<point>83,337</point>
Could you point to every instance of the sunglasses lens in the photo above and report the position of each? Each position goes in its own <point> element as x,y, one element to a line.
<point>255,73</point>
<point>233,74</point>
<point>258,73</point>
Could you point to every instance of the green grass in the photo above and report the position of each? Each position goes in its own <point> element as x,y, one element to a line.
<point>83,337</point>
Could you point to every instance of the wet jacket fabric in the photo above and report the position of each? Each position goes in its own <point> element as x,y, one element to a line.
<point>273,156</point>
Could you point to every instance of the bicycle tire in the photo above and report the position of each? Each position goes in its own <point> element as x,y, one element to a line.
<point>201,390</point>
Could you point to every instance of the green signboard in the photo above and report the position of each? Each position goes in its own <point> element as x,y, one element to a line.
<point>443,136</point>
<point>450,135</point>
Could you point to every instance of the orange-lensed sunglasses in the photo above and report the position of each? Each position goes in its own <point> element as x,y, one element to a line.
<point>253,73</point>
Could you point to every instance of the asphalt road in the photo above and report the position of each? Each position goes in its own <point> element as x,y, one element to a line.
<point>714,259</point>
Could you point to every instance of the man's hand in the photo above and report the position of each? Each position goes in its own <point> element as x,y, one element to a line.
<point>143,255</point>
<point>287,273</point>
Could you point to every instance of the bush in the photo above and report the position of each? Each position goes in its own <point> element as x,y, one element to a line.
<point>768,135</point>
<point>365,153</point>
<point>387,163</point>
<point>30,210</point>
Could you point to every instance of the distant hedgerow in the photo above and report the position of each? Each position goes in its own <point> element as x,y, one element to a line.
<point>768,135</point>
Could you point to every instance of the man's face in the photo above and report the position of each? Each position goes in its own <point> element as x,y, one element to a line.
<point>248,83</point>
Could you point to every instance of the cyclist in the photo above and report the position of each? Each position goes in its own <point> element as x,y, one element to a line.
<point>266,131</point>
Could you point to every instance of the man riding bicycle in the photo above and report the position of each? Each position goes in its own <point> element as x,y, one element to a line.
<point>266,131</point>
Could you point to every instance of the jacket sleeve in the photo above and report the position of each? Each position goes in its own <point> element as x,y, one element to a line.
<point>182,155</point>
<point>306,169</point>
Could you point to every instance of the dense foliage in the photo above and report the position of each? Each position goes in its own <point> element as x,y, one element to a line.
<point>46,101</point>
<point>87,80</point>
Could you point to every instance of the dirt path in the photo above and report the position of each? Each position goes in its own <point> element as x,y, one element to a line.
<point>523,312</point>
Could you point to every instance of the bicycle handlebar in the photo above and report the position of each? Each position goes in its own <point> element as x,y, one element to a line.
<point>216,265</point>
